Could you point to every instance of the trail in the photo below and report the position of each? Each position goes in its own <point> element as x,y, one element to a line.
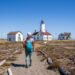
<point>37,68</point>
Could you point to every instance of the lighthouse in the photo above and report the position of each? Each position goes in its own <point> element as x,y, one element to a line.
<point>42,26</point>
<point>43,34</point>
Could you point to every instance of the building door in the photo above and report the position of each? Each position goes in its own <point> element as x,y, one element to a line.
<point>47,37</point>
<point>19,37</point>
<point>9,39</point>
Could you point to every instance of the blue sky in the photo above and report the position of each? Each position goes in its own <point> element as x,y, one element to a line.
<point>25,16</point>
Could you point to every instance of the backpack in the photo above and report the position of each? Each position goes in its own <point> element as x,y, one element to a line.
<point>28,45</point>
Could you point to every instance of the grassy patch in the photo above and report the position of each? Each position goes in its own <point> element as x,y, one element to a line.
<point>6,64</point>
<point>61,52</point>
<point>3,40</point>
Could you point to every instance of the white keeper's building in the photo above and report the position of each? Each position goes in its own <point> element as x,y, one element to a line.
<point>42,34</point>
<point>15,36</point>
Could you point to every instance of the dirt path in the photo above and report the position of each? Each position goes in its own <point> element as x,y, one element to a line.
<point>38,68</point>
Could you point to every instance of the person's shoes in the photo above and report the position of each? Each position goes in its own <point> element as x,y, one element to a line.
<point>30,65</point>
<point>26,66</point>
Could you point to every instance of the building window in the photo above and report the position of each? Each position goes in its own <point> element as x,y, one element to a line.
<point>19,37</point>
<point>9,39</point>
<point>13,39</point>
<point>37,38</point>
<point>47,37</point>
<point>18,34</point>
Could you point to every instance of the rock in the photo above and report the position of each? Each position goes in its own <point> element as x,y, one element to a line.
<point>49,61</point>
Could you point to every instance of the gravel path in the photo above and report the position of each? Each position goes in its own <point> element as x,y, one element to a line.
<point>38,68</point>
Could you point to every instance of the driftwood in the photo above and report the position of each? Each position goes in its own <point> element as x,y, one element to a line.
<point>61,69</point>
<point>9,71</point>
<point>49,60</point>
<point>2,62</point>
<point>43,53</point>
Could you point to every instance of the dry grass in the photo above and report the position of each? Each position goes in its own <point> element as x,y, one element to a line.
<point>3,40</point>
<point>1,57</point>
<point>61,52</point>
<point>12,58</point>
<point>7,49</point>
<point>6,64</point>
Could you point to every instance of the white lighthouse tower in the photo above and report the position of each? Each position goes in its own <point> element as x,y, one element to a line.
<point>42,26</point>
<point>42,34</point>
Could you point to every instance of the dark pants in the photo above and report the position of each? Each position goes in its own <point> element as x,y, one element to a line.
<point>28,53</point>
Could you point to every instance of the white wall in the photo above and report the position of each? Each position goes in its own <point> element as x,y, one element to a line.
<point>34,37</point>
<point>44,37</point>
<point>21,35</point>
<point>43,27</point>
<point>47,37</point>
<point>15,37</point>
<point>50,37</point>
<point>39,36</point>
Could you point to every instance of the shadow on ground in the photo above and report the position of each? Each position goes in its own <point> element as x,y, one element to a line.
<point>18,65</point>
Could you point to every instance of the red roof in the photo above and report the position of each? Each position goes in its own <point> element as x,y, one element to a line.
<point>34,33</point>
<point>13,33</point>
<point>45,33</point>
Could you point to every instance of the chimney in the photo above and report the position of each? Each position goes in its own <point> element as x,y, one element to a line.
<point>46,30</point>
<point>35,30</point>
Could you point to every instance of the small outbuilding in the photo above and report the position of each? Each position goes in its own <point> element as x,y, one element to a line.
<point>15,36</point>
<point>64,36</point>
<point>61,36</point>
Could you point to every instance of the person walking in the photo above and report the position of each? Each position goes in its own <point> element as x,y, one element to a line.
<point>29,48</point>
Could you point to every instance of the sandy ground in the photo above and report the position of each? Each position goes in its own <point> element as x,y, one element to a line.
<point>37,68</point>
